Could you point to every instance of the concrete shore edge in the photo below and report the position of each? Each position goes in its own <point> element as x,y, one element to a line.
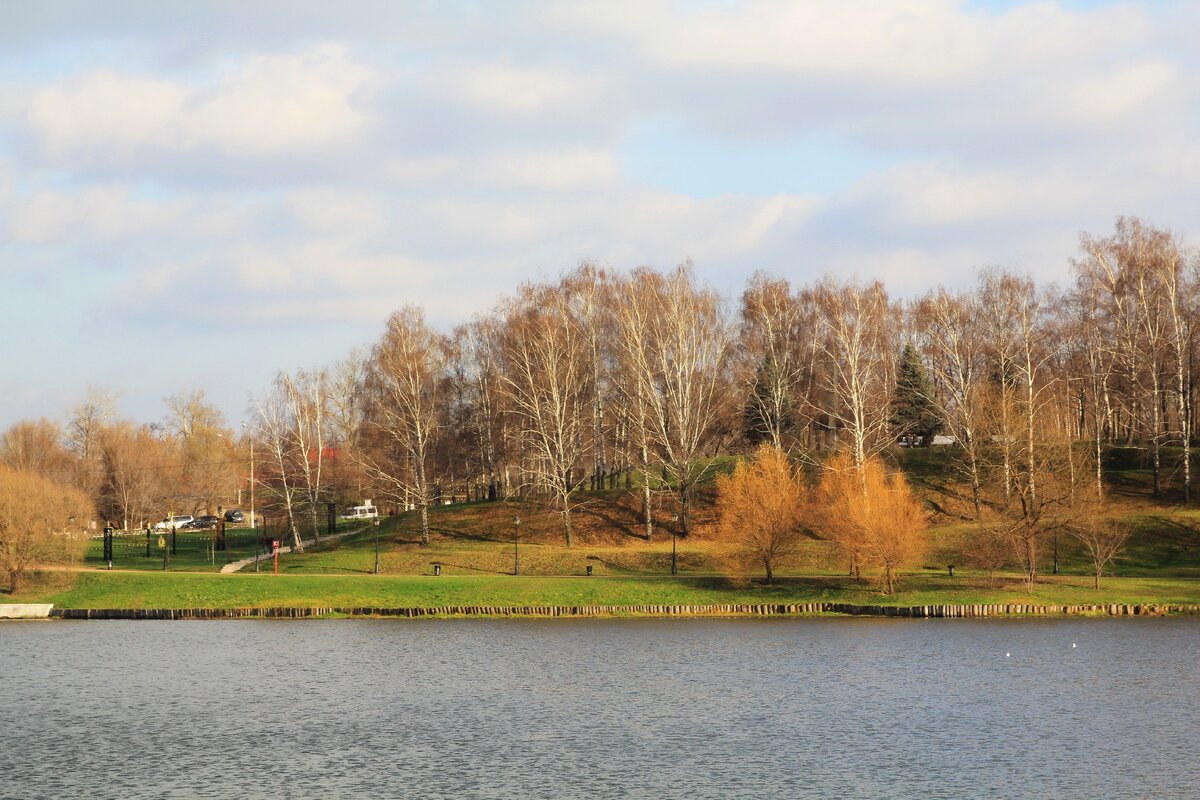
<point>725,610</point>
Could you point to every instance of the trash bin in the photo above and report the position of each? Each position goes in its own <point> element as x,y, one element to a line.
<point>437,569</point>
<point>589,570</point>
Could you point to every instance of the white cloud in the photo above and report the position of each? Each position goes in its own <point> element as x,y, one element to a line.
<point>329,210</point>
<point>902,42</point>
<point>353,256</point>
<point>291,183</point>
<point>99,213</point>
<point>264,106</point>
<point>550,169</point>
<point>908,271</point>
<point>1121,94</point>
<point>103,112</point>
<point>274,103</point>
<point>519,91</point>
<point>907,75</point>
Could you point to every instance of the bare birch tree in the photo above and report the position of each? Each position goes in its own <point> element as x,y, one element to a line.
<point>479,348</point>
<point>273,432</point>
<point>346,398</point>
<point>859,352</point>
<point>545,377</point>
<point>952,337</point>
<point>307,400</point>
<point>774,338</point>
<point>674,340</point>
<point>85,422</point>
<point>1094,329</point>
<point>404,378</point>
<point>590,290</point>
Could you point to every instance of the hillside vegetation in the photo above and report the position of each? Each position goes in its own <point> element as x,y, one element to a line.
<point>477,538</point>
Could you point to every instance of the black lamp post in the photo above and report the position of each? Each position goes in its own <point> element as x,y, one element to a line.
<point>375,523</point>
<point>108,544</point>
<point>516,545</point>
<point>674,527</point>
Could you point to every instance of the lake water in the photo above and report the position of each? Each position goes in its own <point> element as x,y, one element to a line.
<point>855,708</point>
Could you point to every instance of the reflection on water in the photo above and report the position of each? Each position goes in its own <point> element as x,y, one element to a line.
<point>589,708</point>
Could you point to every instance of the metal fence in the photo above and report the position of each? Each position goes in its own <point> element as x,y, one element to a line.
<point>179,549</point>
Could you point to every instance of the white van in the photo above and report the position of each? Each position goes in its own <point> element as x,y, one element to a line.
<point>360,512</point>
<point>173,522</point>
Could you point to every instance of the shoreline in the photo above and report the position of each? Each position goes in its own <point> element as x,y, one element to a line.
<point>797,610</point>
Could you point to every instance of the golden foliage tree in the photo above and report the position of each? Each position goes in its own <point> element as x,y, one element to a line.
<point>39,523</point>
<point>37,446</point>
<point>871,514</point>
<point>133,481</point>
<point>838,491</point>
<point>762,506</point>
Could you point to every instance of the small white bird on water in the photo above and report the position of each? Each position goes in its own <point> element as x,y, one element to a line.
<point>1072,644</point>
<point>1006,655</point>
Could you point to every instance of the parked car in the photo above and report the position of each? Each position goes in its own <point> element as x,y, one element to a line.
<point>234,515</point>
<point>205,523</point>
<point>175,522</point>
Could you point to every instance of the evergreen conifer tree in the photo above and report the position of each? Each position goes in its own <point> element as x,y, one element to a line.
<point>761,415</point>
<point>913,412</point>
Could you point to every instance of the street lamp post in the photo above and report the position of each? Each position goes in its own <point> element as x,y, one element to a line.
<point>674,527</point>
<point>375,523</point>
<point>247,429</point>
<point>516,545</point>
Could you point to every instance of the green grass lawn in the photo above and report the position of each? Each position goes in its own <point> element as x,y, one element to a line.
<point>192,550</point>
<point>1165,544</point>
<point>198,590</point>
<point>473,545</point>
<point>402,554</point>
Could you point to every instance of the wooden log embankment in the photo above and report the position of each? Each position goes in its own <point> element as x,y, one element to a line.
<point>977,610</point>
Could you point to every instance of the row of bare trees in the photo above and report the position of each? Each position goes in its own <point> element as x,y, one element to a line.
<point>601,380</point>
<point>132,473</point>
<point>564,386</point>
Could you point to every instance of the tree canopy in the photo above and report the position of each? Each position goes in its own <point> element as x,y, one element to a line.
<point>41,522</point>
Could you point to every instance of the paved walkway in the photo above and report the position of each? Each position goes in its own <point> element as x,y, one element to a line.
<point>234,566</point>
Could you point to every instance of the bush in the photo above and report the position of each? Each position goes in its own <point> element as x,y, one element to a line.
<point>41,522</point>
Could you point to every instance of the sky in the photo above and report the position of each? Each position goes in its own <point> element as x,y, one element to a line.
<point>195,197</point>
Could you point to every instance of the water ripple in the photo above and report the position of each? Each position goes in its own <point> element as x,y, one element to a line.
<point>657,709</point>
